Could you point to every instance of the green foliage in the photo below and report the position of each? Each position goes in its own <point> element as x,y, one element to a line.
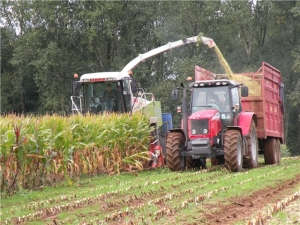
<point>43,43</point>
<point>35,150</point>
<point>284,151</point>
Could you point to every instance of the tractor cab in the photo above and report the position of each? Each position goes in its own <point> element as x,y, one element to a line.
<point>220,95</point>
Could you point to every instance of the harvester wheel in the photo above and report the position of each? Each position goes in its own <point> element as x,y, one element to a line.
<point>175,142</point>
<point>271,151</point>
<point>278,151</point>
<point>233,144</point>
<point>252,146</point>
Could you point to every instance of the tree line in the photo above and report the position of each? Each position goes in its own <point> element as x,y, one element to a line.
<point>43,43</point>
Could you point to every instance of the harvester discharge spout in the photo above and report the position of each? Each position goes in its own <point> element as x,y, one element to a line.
<point>208,41</point>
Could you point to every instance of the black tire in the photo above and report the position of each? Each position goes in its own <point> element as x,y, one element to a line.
<point>271,151</point>
<point>233,144</point>
<point>252,146</point>
<point>174,143</point>
<point>278,151</point>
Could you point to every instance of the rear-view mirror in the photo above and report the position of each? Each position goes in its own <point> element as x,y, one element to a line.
<point>244,91</point>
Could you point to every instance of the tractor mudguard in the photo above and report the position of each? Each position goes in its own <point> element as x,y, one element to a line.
<point>178,130</point>
<point>244,121</point>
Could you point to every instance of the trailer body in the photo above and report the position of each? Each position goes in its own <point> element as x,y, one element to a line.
<point>268,105</point>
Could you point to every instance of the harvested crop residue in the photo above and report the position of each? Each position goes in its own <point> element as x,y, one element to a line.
<point>243,208</point>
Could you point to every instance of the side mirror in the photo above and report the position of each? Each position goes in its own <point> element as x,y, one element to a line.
<point>75,88</point>
<point>134,86</point>
<point>174,95</point>
<point>244,91</point>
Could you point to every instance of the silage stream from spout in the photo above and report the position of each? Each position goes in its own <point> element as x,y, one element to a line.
<point>223,62</point>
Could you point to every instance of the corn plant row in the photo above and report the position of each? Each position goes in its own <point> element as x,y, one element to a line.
<point>271,209</point>
<point>38,150</point>
<point>69,197</point>
<point>100,197</point>
<point>120,214</point>
<point>73,204</point>
<point>72,197</point>
<point>86,201</point>
<point>153,217</point>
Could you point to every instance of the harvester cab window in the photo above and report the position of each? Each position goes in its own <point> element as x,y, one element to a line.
<point>101,97</point>
<point>127,94</point>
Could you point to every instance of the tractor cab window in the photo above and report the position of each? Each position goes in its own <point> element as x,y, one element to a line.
<point>236,104</point>
<point>102,97</point>
<point>211,98</point>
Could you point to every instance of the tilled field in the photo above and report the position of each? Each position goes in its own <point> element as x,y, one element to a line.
<point>213,196</point>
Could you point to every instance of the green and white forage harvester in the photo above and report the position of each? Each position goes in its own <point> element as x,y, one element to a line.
<point>88,96</point>
<point>225,123</point>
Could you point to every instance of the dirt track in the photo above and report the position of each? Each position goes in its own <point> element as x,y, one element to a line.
<point>246,207</point>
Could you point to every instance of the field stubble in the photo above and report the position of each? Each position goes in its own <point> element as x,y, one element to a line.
<point>211,196</point>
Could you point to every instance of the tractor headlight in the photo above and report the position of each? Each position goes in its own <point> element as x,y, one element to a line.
<point>193,131</point>
<point>205,131</point>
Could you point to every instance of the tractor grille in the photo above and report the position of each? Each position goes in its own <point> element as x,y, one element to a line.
<point>199,125</point>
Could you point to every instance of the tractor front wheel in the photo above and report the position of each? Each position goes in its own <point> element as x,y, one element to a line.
<point>174,143</point>
<point>233,155</point>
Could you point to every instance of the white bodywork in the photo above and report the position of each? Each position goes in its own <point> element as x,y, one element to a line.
<point>108,76</point>
<point>142,57</point>
<point>124,73</point>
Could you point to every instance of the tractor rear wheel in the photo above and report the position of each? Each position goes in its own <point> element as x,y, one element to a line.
<point>252,146</point>
<point>271,151</point>
<point>175,142</point>
<point>233,144</point>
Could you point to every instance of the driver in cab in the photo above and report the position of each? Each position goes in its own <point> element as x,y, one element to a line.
<point>109,96</point>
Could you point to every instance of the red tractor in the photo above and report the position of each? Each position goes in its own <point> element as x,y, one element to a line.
<point>210,130</point>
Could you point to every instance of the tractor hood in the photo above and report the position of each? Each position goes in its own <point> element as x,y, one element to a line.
<point>205,114</point>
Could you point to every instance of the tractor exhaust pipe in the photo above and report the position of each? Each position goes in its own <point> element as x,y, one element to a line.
<point>184,112</point>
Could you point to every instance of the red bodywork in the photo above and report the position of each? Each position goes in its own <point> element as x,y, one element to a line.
<point>158,161</point>
<point>214,124</point>
<point>268,106</point>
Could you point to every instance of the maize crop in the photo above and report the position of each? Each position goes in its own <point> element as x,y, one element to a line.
<point>40,150</point>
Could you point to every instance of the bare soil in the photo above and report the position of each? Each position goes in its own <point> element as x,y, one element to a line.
<point>243,208</point>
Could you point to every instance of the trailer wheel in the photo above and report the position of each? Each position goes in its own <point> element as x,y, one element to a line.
<point>252,146</point>
<point>278,151</point>
<point>175,142</point>
<point>271,151</point>
<point>233,145</point>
